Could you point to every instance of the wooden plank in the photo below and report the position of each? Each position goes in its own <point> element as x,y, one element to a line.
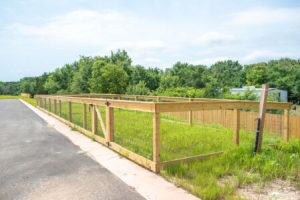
<point>110,123</point>
<point>94,121</point>
<point>84,118</point>
<point>133,156</point>
<point>139,106</point>
<point>261,117</point>
<point>156,141</point>
<point>186,106</point>
<point>286,122</point>
<point>189,159</point>
<point>70,111</point>
<point>101,140</point>
<point>236,126</point>
<point>101,122</point>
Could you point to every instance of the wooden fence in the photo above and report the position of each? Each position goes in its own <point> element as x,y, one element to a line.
<point>195,110</point>
<point>274,123</point>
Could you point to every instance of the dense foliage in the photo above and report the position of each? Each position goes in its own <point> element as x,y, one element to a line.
<point>116,74</point>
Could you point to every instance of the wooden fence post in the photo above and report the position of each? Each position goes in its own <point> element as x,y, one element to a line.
<point>261,118</point>
<point>236,126</point>
<point>84,116</point>
<point>109,124</point>
<point>70,111</point>
<point>50,106</point>
<point>190,114</point>
<point>94,120</point>
<point>55,106</point>
<point>45,104</point>
<point>156,141</point>
<point>59,107</point>
<point>286,121</point>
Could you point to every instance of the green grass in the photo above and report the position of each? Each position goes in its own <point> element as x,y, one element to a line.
<point>28,100</point>
<point>133,130</point>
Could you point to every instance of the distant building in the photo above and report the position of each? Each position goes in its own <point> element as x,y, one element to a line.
<point>274,93</point>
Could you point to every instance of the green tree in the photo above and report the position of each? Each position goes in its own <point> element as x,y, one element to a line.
<point>257,74</point>
<point>138,89</point>
<point>108,78</point>
<point>122,59</point>
<point>151,77</point>
<point>228,74</point>
<point>168,81</point>
<point>189,75</point>
<point>81,77</point>
<point>28,85</point>
<point>60,80</point>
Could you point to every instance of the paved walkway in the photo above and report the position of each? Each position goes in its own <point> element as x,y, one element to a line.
<point>37,162</point>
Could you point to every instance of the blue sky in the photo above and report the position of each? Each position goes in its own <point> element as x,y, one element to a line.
<point>38,36</point>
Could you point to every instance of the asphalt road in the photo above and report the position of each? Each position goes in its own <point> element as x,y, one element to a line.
<point>37,162</point>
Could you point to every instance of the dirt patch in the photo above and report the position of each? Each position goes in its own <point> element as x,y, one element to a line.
<point>228,180</point>
<point>275,190</point>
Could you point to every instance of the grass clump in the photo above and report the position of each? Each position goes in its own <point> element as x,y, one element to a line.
<point>279,162</point>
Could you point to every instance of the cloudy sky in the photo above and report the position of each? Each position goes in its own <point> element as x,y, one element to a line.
<point>38,36</point>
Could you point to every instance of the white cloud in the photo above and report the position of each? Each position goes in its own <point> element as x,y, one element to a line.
<point>108,29</point>
<point>266,16</point>
<point>210,60</point>
<point>263,55</point>
<point>138,45</point>
<point>148,40</point>
<point>211,38</point>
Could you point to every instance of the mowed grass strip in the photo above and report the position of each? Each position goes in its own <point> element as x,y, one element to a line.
<point>27,99</point>
<point>133,130</point>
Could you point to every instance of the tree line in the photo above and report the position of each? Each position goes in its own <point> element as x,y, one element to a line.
<point>116,74</point>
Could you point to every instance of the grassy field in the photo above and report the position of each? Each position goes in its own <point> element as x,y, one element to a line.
<point>29,100</point>
<point>133,130</point>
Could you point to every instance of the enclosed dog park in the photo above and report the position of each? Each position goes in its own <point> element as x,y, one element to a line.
<point>157,132</point>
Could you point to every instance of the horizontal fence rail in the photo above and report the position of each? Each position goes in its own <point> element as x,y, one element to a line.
<point>100,116</point>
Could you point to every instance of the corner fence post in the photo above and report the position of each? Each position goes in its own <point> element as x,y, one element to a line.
<point>70,111</point>
<point>286,129</point>
<point>94,120</point>
<point>236,126</point>
<point>156,141</point>
<point>109,124</point>
<point>261,118</point>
